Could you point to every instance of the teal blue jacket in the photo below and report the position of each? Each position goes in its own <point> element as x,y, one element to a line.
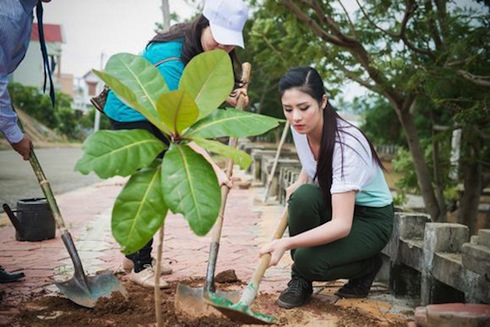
<point>171,70</point>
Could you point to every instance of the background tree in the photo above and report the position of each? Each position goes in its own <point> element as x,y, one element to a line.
<point>63,119</point>
<point>377,112</point>
<point>428,60</point>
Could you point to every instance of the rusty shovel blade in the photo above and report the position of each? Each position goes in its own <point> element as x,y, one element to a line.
<point>88,290</point>
<point>81,289</point>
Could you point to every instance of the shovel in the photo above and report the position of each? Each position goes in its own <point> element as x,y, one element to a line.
<point>81,289</point>
<point>241,311</point>
<point>191,299</point>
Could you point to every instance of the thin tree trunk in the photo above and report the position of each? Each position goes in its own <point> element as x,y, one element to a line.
<point>166,15</point>
<point>157,296</point>
<point>439,185</point>
<point>472,172</point>
<point>421,168</point>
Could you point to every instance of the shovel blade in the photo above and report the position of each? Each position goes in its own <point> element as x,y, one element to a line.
<point>239,312</point>
<point>85,291</point>
<point>191,301</point>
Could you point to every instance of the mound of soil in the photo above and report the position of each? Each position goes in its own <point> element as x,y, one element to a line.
<point>139,310</point>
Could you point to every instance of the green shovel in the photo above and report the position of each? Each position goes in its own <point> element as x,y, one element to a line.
<point>241,311</point>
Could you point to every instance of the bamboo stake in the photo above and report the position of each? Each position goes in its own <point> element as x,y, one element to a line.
<point>158,299</point>
<point>276,159</point>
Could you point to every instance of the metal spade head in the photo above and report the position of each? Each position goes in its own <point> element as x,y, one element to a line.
<point>86,290</point>
<point>192,300</point>
<point>239,312</point>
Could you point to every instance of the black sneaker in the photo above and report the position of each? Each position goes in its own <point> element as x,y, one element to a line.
<point>359,287</point>
<point>298,291</point>
<point>6,277</point>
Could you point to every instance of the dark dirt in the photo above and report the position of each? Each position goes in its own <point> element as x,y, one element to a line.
<point>139,310</point>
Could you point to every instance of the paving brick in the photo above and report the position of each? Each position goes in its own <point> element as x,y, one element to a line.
<point>453,315</point>
<point>246,227</point>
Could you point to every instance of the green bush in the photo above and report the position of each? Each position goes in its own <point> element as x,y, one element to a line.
<point>62,119</point>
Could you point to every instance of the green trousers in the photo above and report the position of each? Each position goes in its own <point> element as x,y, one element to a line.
<point>349,257</point>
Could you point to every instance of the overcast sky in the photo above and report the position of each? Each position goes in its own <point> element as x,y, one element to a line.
<point>93,27</point>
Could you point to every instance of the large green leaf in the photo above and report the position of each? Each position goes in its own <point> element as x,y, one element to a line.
<point>191,187</point>
<point>239,157</point>
<point>127,95</point>
<point>232,122</point>
<point>111,153</point>
<point>140,209</point>
<point>177,110</point>
<point>137,73</point>
<point>208,78</point>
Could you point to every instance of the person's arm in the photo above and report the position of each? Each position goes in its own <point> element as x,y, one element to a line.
<point>339,227</point>
<point>8,122</point>
<point>220,174</point>
<point>12,37</point>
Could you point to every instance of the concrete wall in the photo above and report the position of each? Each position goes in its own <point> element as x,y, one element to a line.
<point>438,261</point>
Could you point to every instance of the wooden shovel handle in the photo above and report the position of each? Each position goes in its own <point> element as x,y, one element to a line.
<point>48,193</point>
<point>276,160</point>
<point>214,246</point>
<point>232,142</point>
<point>250,291</point>
<point>44,184</point>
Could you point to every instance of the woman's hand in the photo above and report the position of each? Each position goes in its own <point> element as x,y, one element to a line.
<point>232,99</point>
<point>223,178</point>
<point>276,248</point>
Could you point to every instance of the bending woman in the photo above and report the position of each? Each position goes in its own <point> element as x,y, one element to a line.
<point>218,27</point>
<point>340,208</point>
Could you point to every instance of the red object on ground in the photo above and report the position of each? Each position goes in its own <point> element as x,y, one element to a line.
<point>453,315</point>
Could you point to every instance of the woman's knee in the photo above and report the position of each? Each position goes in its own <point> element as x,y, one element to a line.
<point>306,196</point>
<point>306,208</point>
<point>305,265</point>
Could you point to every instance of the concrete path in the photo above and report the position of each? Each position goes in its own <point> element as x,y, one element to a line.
<point>18,181</point>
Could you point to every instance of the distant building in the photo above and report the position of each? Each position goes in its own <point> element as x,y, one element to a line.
<point>67,84</point>
<point>87,86</point>
<point>31,72</point>
<point>92,82</point>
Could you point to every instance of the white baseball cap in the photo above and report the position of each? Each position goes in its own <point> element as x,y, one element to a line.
<point>226,19</point>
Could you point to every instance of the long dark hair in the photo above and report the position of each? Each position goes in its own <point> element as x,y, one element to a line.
<point>190,33</point>
<point>308,80</point>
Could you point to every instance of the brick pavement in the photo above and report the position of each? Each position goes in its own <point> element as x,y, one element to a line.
<point>86,213</point>
<point>248,223</point>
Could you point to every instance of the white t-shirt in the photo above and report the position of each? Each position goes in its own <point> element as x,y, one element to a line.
<point>353,167</point>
